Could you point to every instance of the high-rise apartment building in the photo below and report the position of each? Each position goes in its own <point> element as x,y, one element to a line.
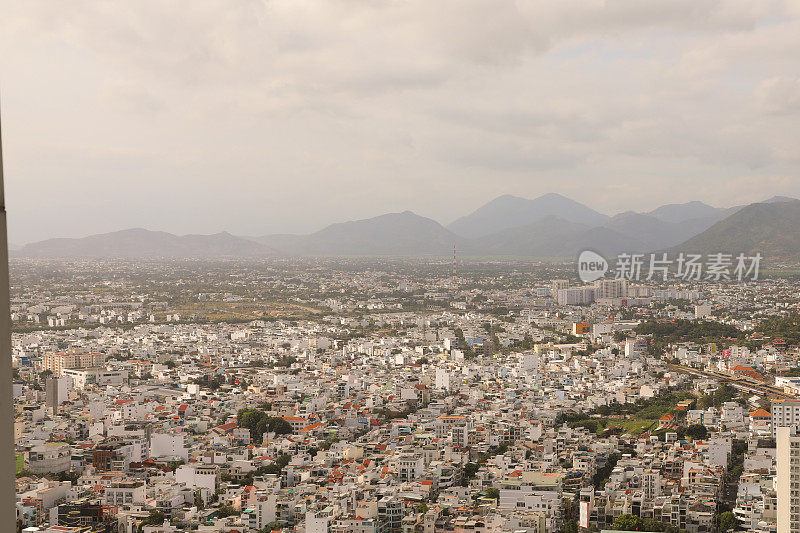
<point>52,394</point>
<point>576,296</point>
<point>788,479</point>
<point>557,285</point>
<point>58,362</point>
<point>785,413</point>
<point>610,288</point>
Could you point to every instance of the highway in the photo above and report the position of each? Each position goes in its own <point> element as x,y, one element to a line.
<point>740,382</point>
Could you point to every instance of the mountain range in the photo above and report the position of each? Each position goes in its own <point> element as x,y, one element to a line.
<point>548,227</point>
<point>142,243</point>
<point>770,228</point>
<point>508,211</point>
<point>392,234</point>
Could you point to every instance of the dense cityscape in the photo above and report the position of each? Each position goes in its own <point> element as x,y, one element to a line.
<point>399,395</point>
<point>400,266</point>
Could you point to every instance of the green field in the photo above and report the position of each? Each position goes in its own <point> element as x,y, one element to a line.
<point>20,463</point>
<point>634,426</point>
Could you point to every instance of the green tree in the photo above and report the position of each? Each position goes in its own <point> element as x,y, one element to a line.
<point>627,522</point>
<point>697,432</point>
<point>156,518</point>
<point>259,422</point>
<point>227,510</point>
<point>727,521</point>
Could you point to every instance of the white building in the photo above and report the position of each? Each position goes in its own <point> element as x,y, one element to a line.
<point>785,413</point>
<point>95,376</point>
<point>611,288</point>
<point>787,486</point>
<point>52,457</point>
<point>576,296</point>
<point>168,445</point>
<point>125,493</point>
<point>197,477</point>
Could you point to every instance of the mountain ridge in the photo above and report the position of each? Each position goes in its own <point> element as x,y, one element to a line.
<point>771,228</point>
<point>398,234</point>
<point>144,243</point>
<point>408,234</point>
<point>508,211</point>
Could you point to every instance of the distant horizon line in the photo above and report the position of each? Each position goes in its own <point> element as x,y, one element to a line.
<point>14,245</point>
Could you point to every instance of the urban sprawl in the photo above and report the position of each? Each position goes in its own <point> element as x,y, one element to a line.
<point>401,396</point>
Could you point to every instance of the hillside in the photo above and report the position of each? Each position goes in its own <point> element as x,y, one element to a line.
<point>770,228</point>
<point>509,211</point>
<point>399,234</point>
<point>555,237</point>
<point>142,243</point>
<point>677,213</point>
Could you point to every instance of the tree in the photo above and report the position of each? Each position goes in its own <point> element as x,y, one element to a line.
<point>630,522</point>
<point>156,518</point>
<point>697,432</point>
<point>469,353</point>
<point>259,422</point>
<point>227,510</point>
<point>275,467</point>
<point>493,493</point>
<point>627,522</point>
<point>727,521</point>
<point>571,527</point>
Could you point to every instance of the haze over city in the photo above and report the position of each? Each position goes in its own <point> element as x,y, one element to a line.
<point>400,266</point>
<point>271,117</point>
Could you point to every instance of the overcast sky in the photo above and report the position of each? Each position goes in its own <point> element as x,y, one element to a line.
<point>261,117</point>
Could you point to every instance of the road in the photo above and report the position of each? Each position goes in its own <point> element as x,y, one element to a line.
<point>739,382</point>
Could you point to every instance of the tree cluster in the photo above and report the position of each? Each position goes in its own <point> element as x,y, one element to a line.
<point>259,422</point>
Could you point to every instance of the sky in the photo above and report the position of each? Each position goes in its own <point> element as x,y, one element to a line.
<point>259,117</point>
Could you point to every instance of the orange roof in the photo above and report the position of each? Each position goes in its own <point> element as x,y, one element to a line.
<point>760,413</point>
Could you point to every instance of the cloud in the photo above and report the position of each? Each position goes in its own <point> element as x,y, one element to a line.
<point>779,95</point>
<point>286,115</point>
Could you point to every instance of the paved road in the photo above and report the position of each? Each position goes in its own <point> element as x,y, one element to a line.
<point>749,385</point>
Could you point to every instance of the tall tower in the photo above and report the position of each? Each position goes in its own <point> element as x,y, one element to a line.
<point>52,399</point>
<point>454,265</point>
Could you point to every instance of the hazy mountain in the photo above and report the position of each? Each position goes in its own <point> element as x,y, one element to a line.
<point>776,199</point>
<point>392,234</point>
<point>512,211</point>
<point>772,228</point>
<point>550,226</point>
<point>677,213</point>
<point>649,230</point>
<point>553,238</point>
<point>657,234</point>
<point>142,243</point>
<point>701,213</point>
